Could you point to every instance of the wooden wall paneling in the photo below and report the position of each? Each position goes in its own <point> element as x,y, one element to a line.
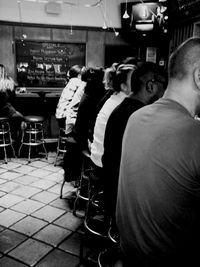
<point>180,34</point>
<point>65,35</point>
<point>110,39</point>
<point>196,31</point>
<point>95,49</point>
<point>7,49</point>
<point>33,33</point>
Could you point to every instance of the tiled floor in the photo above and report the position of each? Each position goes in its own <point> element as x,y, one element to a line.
<point>37,228</point>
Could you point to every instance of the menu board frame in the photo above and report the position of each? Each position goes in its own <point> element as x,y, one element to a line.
<point>46,63</point>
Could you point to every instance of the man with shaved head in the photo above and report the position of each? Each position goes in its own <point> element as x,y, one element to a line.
<point>158,201</point>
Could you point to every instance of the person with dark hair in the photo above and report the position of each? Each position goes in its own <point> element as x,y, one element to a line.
<point>7,109</point>
<point>158,198</point>
<point>109,74</point>
<point>122,87</point>
<point>93,92</point>
<point>148,83</point>
<point>67,94</point>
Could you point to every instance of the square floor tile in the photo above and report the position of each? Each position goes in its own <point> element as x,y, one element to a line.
<point>29,225</point>
<point>45,197</point>
<point>30,252</point>
<point>52,234</point>
<point>8,262</point>
<point>9,186</point>
<point>51,167</point>
<point>62,204</point>
<point>20,160</point>
<point>1,228</point>
<point>2,170</point>
<point>26,191</point>
<point>26,179</point>
<point>72,244</point>
<point>48,213</point>
<point>68,189</point>
<point>10,165</point>
<point>56,177</point>
<point>28,206</point>
<point>9,217</point>
<point>55,189</point>
<point>69,221</point>
<point>10,175</point>
<point>58,258</point>
<point>38,164</point>
<point>10,239</point>
<point>10,200</point>
<point>2,181</point>
<point>25,169</point>
<point>1,209</point>
<point>40,173</point>
<point>43,184</point>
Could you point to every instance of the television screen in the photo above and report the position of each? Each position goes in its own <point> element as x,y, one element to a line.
<point>142,12</point>
<point>145,17</point>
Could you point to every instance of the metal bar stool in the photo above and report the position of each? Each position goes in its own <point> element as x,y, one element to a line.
<point>82,192</point>
<point>70,144</point>
<point>96,222</point>
<point>111,255</point>
<point>5,137</point>
<point>61,146</point>
<point>33,135</point>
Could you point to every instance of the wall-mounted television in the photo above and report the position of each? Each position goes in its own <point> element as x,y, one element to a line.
<point>144,18</point>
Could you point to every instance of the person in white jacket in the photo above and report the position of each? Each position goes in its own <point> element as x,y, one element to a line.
<point>67,94</point>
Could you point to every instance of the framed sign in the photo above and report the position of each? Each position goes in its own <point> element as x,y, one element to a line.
<point>45,64</point>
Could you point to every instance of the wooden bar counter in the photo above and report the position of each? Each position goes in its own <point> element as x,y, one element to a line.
<point>42,102</point>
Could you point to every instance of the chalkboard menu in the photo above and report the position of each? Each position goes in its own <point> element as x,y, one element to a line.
<point>45,64</point>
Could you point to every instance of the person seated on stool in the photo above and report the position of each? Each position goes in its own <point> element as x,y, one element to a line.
<point>67,94</point>
<point>148,83</point>
<point>94,91</point>
<point>122,87</point>
<point>7,97</point>
<point>158,200</point>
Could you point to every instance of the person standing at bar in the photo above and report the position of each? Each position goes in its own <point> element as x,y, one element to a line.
<point>158,201</point>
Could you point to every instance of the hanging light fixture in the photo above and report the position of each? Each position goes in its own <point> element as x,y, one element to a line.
<point>126,15</point>
<point>23,35</point>
<point>104,14</point>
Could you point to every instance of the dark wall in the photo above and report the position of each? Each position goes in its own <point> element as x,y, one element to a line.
<point>94,39</point>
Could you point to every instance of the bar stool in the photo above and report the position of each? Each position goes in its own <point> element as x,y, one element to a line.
<point>61,147</point>
<point>70,143</point>
<point>111,256</point>
<point>33,135</point>
<point>82,192</point>
<point>5,137</point>
<point>96,223</point>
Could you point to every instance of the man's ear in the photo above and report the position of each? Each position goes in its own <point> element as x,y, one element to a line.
<point>123,87</point>
<point>150,87</point>
<point>197,77</point>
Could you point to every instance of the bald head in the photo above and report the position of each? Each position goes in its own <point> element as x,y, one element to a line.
<point>184,59</point>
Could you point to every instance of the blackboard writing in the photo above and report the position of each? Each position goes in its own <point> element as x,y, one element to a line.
<point>45,64</point>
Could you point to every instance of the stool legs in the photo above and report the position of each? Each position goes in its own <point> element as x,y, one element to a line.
<point>32,136</point>
<point>61,147</point>
<point>61,189</point>
<point>6,138</point>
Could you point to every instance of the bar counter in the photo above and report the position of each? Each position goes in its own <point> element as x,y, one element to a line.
<point>42,102</point>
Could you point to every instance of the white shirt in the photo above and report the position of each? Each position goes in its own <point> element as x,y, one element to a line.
<point>97,146</point>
